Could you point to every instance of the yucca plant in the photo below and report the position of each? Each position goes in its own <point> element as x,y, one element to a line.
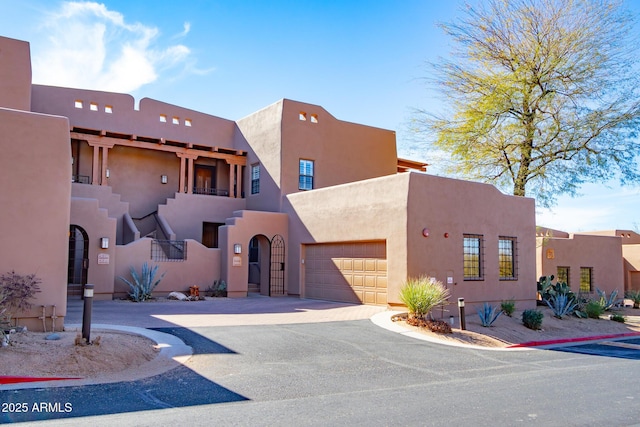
<point>561,305</point>
<point>144,283</point>
<point>423,294</point>
<point>488,314</point>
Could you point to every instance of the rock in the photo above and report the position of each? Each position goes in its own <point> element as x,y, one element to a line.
<point>52,337</point>
<point>177,295</point>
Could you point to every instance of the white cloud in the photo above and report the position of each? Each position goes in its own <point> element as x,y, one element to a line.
<point>88,46</point>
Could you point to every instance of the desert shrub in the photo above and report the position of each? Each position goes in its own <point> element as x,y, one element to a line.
<point>634,296</point>
<point>594,309</point>
<point>561,305</point>
<point>488,314</point>
<point>610,302</point>
<point>532,319</point>
<point>618,318</point>
<point>16,291</point>
<point>508,307</point>
<point>423,294</point>
<point>144,283</point>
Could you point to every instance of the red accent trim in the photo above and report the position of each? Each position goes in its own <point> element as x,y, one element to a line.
<point>16,380</point>
<point>570,340</point>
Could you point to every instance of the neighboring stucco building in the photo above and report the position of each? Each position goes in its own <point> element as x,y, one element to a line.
<point>607,260</point>
<point>286,201</point>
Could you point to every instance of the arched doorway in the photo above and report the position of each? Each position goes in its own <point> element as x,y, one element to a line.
<point>276,266</point>
<point>259,250</point>
<point>78,260</point>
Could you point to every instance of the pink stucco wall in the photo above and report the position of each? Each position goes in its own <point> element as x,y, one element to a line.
<point>15,74</point>
<point>35,177</point>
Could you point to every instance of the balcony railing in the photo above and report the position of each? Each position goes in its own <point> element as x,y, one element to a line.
<point>211,191</point>
<point>168,250</point>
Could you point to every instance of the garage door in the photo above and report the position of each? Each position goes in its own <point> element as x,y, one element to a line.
<point>354,272</point>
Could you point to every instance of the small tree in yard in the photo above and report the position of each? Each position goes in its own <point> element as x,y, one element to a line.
<point>16,291</point>
<point>423,294</point>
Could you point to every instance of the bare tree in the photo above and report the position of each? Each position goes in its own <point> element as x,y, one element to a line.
<point>544,95</point>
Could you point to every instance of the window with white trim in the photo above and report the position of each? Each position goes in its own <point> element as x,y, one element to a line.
<point>306,175</point>
<point>255,179</point>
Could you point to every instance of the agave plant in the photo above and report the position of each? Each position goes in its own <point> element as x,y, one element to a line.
<point>561,305</point>
<point>488,314</point>
<point>608,303</point>
<point>144,283</point>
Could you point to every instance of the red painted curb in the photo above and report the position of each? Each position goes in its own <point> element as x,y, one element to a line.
<point>571,340</point>
<point>16,380</point>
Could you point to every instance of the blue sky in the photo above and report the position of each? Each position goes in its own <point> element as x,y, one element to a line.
<point>364,61</point>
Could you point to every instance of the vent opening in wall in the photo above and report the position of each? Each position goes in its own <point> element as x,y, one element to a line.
<point>302,116</point>
<point>78,104</point>
<point>163,118</point>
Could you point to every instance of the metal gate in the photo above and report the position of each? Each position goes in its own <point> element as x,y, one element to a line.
<point>78,260</point>
<point>276,276</point>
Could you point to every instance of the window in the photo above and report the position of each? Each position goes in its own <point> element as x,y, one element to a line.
<point>306,175</point>
<point>507,259</point>
<point>563,275</point>
<point>93,106</point>
<point>78,104</point>
<point>586,279</point>
<point>255,179</point>
<point>473,257</point>
<point>163,118</point>
<point>175,120</point>
<point>302,116</point>
<point>108,109</point>
<point>314,118</point>
<point>187,122</point>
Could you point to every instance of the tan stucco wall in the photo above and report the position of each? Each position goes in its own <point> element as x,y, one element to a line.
<point>241,228</point>
<point>602,253</point>
<point>375,209</point>
<point>35,175</point>
<point>260,134</point>
<point>185,213</point>
<point>201,268</point>
<point>86,213</point>
<point>15,74</point>
<point>125,119</point>
<point>455,207</point>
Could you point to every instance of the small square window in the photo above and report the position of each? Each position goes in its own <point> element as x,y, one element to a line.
<point>78,104</point>
<point>93,106</point>
<point>108,109</point>
<point>187,122</point>
<point>163,118</point>
<point>175,120</point>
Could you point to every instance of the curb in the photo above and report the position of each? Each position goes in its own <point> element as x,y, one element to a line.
<point>173,352</point>
<point>530,344</point>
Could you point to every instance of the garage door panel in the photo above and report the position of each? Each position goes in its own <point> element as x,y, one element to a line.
<point>348,272</point>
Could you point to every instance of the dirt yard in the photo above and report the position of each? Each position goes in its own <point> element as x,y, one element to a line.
<point>507,331</point>
<point>30,355</point>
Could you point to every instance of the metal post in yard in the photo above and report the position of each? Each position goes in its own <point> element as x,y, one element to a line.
<point>463,324</point>
<point>86,314</point>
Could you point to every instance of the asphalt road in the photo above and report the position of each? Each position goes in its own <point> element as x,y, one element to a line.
<point>353,373</point>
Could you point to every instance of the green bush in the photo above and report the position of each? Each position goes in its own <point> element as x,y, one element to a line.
<point>532,319</point>
<point>618,318</point>
<point>508,306</point>
<point>594,309</point>
<point>144,283</point>
<point>423,294</point>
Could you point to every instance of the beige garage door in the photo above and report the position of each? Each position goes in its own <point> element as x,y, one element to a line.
<point>354,272</point>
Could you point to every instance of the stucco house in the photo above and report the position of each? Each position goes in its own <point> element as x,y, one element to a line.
<point>289,200</point>
<point>608,260</point>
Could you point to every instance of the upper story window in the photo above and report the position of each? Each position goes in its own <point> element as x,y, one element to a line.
<point>507,259</point>
<point>306,175</point>
<point>473,257</point>
<point>255,179</point>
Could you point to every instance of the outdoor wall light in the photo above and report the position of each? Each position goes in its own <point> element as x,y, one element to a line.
<point>106,173</point>
<point>104,243</point>
<point>163,179</point>
<point>446,235</point>
<point>237,248</point>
